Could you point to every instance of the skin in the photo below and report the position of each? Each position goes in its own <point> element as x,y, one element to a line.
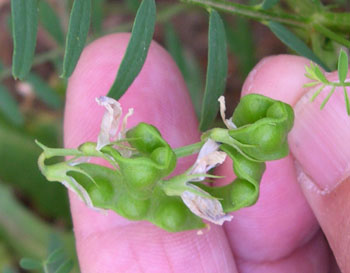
<point>299,194</point>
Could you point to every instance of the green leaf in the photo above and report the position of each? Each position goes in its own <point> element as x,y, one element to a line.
<point>44,92</point>
<point>9,270</point>
<point>240,42</point>
<point>55,256</point>
<point>173,44</point>
<point>137,49</point>
<point>319,74</point>
<point>194,82</point>
<point>66,267</point>
<point>216,70</point>
<point>30,264</point>
<point>24,29</point>
<point>187,65</point>
<point>347,103</point>
<point>9,107</point>
<point>318,91</point>
<point>343,66</point>
<point>78,29</point>
<point>268,4</point>
<point>327,98</point>
<point>18,151</point>
<point>51,22</point>
<point>309,71</point>
<point>97,15</point>
<point>294,42</point>
<point>310,84</point>
<point>132,4</point>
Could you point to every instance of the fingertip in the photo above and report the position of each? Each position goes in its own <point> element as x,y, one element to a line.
<point>280,77</point>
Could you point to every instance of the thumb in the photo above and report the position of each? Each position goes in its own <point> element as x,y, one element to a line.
<point>320,144</point>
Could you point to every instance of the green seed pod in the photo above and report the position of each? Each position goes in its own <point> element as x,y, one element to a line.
<point>242,194</point>
<point>166,159</point>
<point>244,190</point>
<point>98,186</point>
<point>140,175</point>
<point>171,215</point>
<point>88,147</point>
<point>262,127</point>
<point>131,207</point>
<point>250,109</point>
<point>145,138</point>
<point>268,141</point>
<point>282,111</point>
<point>271,140</point>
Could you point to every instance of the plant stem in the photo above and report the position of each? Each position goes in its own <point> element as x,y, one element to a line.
<point>337,84</point>
<point>339,21</point>
<point>252,12</point>
<point>332,35</point>
<point>46,270</point>
<point>162,16</point>
<point>189,149</point>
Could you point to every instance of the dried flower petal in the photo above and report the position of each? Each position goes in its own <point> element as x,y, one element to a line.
<point>123,129</point>
<point>110,120</point>
<point>208,158</point>
<point>228,122</point>
<point>205,207</point>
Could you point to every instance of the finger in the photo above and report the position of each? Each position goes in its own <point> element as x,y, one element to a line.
<point>109,243</point>
<point>321,147</point>
<point>280,225</point>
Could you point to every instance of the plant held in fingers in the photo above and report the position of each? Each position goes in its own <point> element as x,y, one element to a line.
<point>137,187</point>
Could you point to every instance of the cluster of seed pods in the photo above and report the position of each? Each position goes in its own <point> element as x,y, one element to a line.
<point>137,188</point>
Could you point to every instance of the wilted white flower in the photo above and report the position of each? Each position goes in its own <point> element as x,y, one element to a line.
<point>208,158</point>
<point>207,208</point>
<point>199,201</point>
<point>111,122</point>
<point>228,122</point>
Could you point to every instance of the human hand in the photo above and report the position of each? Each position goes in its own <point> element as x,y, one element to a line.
<point>278,234</point>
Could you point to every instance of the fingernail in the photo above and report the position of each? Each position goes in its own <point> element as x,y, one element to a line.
<point>320,139</point>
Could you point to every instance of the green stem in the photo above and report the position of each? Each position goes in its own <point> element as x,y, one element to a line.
<point>339,21</point>
<point>252,12</point>
<point>332,35</point>
<point>304,7</point>
<point>46,270</point>
<point>327,98</point>
<point>189,149</point>
<point>337,84</point>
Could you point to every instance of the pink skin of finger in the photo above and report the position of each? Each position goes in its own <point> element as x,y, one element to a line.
<point>107,242</point>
